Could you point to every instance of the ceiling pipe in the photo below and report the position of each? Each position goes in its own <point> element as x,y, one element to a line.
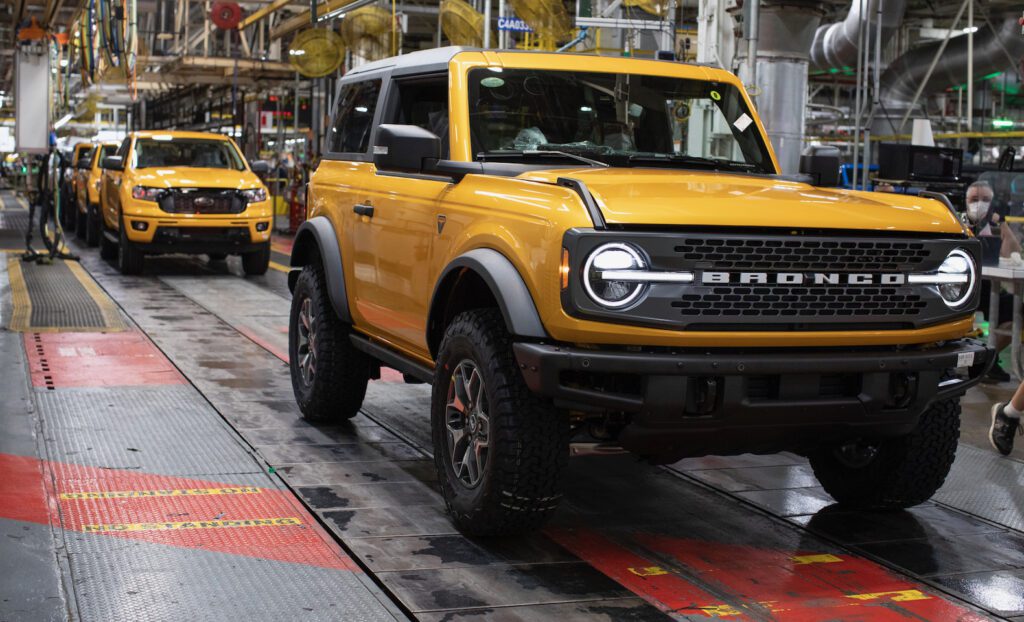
<point>835,45</point>
<point>995,50</point>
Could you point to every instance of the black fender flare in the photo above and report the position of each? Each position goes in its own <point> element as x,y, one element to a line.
<point>314,238</point>
<point>506,284</point>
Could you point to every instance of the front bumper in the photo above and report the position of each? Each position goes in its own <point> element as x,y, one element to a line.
<point>771,400</point>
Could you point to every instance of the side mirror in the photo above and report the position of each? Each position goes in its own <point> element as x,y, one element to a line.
<point>404,148</point>
<point>822,164</point>
<point>113,163</point>
<point>260,167</point>
<point>83,162</point>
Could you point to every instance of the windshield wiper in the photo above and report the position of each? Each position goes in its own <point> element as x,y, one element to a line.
<point>712,163</point>
<point>483,156</point>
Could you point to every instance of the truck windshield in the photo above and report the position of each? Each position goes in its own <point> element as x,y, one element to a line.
<point>189,152</point>
<point>618,119</point>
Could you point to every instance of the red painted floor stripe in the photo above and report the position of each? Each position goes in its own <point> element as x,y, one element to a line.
<point>198,521</point>
<point>61,360</point>
<point>683,575</point>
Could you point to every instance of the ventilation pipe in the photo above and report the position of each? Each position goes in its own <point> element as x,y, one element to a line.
<point>994,50</point>
<point>835,45</point>
<point>785,31</point>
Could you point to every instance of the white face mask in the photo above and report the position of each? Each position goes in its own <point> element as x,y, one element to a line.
<point>976,210</point>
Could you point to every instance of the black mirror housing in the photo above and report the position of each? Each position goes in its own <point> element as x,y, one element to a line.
<point>260,167</point>
<point>83,162</point>
<point>822,164</point>
<point>113,163</point>
<point>404,148</point>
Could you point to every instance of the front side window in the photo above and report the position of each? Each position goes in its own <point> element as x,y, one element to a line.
<point>354,117</point>
<point>105,151</point>
<point>423,103</point>
<point>618,119</point>
<point>186,152</point>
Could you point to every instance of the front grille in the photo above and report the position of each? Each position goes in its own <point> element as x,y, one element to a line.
<point>202,201</point>
<point>726,253</point>
<point>787,301</point>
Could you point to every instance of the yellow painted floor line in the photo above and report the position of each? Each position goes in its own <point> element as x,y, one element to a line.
<point>21,302</point>
<point>279,267</point>
<point>111,316</point>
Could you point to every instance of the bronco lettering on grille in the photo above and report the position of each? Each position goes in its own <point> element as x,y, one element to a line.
<point>801,278</point>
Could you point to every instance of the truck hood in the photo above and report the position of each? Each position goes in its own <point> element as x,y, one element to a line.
<point>195,177</point>
<point>700,198</point>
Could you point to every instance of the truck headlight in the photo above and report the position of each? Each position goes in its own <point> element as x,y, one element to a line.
<point>255,195</point>
<point>142,193</point>
<point>954,279</point>
<point>599,275</point>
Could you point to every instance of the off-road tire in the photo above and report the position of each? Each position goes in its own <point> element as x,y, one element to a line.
<point>905,472</point>
<point>94,228</point>
<point>528,440</point>
<point>342,372</point>
<point>257,263</point>
<point>130,259</point>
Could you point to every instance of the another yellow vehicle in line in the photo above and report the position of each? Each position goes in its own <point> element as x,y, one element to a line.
<point>69,188</point>
<point>183,192</point>
<point>87,193</point>
<point>600,251</point>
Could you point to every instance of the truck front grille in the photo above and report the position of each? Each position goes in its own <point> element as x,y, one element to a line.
<point>788,301</point>
<point>202,201</point>
<point>802,254</point>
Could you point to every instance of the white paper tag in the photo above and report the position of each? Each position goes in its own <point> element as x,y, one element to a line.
<point>743,122</point>
<point>965,359</point>
<point>380,150</point>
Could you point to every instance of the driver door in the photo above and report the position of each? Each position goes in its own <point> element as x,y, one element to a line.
<point>110,197</point>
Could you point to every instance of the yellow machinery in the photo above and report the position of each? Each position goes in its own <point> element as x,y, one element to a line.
<point>549,20</point>
<point>370,33</point>
<point>316,52</point>
<point>461,23</point>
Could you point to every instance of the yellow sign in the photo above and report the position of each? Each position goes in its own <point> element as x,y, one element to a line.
<point>142,494</point>
<point>199,524</point>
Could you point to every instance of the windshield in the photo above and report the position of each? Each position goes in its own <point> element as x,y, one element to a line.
<point>190,152</point>
<point>619,119</point>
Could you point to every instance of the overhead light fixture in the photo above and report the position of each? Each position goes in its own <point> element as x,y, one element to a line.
<point>296,52</point>
<point>63,62</point>
<point>63,121</point>
<point>970,29</point>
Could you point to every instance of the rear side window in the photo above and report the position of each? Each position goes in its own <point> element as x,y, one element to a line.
<point>353,120</point>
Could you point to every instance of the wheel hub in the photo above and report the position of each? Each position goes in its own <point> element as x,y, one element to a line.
<point>306,330</point>
<point>467,424</point>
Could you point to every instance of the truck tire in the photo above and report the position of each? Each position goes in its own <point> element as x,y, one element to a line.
<point>81,225</point>
<point>256,263</point>
<point>94,228</point>
<point>129,258</point>
<point>499,450</point>
<point>894,473</point>
<point>329,376</point>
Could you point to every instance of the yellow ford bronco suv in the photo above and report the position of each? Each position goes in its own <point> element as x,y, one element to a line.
<point>598,254</point>
<point>182,192</point>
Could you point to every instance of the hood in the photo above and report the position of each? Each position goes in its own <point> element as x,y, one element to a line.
<point>194,177</point>
<point>701,198</point>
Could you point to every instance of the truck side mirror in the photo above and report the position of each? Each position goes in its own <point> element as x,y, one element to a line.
<point>260,167</point>
<point>112,163</point>
<point>404,148</point>
<point>83,162</point>
<point>822,164</point>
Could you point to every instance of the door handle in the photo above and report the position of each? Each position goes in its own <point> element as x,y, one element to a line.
<point>363,210</point>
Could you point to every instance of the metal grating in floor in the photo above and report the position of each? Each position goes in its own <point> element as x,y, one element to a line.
<point>58,296</point>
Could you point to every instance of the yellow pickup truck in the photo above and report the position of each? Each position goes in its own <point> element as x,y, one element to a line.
<point>182,192</point>
<point>597,254</point>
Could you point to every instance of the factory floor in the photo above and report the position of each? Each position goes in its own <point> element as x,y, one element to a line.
<point>154,466</point>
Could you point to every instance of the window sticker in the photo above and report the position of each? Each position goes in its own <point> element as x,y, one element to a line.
<point>743,122</point>
<point>492,82</point>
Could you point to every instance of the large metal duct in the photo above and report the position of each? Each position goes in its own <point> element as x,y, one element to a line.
<point>994,50</point>
<point>835,45</point>
<point>785,33</point>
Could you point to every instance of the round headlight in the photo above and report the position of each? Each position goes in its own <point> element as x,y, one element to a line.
<point>956,278</point>
<point>608,258</point>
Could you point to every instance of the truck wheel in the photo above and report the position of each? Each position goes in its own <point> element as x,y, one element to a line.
<point>329,376</point>
<point>894,473</point>
<point>256,263</point>
<point>129,258</point>
<point>499,450</point>
<point>94,228</point>
<point>81,224</point>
